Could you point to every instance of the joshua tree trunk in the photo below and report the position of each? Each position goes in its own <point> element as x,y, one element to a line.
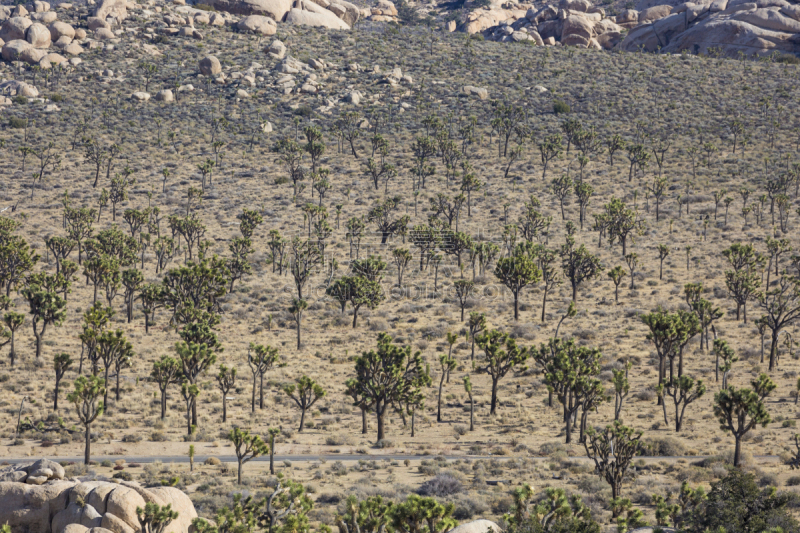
<point>493,408</point>
<point>87,450</point>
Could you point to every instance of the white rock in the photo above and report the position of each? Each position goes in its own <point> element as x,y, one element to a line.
<point>140,96</point>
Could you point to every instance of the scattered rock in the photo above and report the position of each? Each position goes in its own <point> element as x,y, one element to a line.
<point>480,92</point>
<point>61,29</point>
<point>210,66</point>
<point>354,97</point>
<point>258,24</point>
<point>277,49</point>
<point>165,95</point>
<point>140,96</point>
<point>275,9</point>
<point>116,9</point>
<point>320,17</point>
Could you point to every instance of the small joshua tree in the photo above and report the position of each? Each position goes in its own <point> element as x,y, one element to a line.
<point>247,448</point>
<point>616,274</point>
<point>154,518</point>
<point>305,394</point>
<point>447,364</point>
<point>61,362</point>
<point>740,410</point>
<point>226,380</point>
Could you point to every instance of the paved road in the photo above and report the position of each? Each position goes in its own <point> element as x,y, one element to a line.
<point>330,457</point>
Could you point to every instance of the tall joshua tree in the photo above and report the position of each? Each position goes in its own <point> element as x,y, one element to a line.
<point>88,403</point>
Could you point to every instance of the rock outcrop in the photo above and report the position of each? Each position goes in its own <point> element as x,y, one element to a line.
<point>35,498</point>
<point>725,27</point>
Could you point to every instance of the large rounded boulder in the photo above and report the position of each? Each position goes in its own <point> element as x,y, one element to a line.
<point>38,35</point>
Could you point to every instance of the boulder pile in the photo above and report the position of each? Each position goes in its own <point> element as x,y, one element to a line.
<point>332,14</point>
<point>36,498</point>
<point>722,27</point>
<point>27,35</point>
<point>727,27</point>
<point>571,23</point>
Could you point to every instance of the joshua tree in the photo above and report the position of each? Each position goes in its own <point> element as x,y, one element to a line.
<point>463,290</point>
<point>226,380</point>
<point>402,257</point>
<point>476,324</point>
<point>621,388</point>
<point>388,376</point>
<point>663,252</point>
<point>296,309</point>
<point>516,273</point>
<point>616,274</point>
<point>154,518</point>
<point>189,391</point>
<point>561,188</point>
<point>87,400</point>
<point>113,349</point>
<point>578,264</point>
<point>446,364</point>
<point>132,280</point>
<point>247,447</point>
<point>195,358</point>
<point>682,394</point>
<point>13,322</point>
<point>569,371</point>
<point>468,390</point>
<point>781,306</point>
<point>61,362</point>
<point>612,450</point>
<point>260,358</point>
<point>740,410</point>
<point>46,308</point>
<point>166,372</point>
<point>499,362</point>
<point>728,356</point>
<point>305,394</point>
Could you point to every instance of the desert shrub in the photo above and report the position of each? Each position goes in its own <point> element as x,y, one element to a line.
<point>646,395</point>
<point>428,468</point>
<point>384,443</point>
<point>204,7</point>
<point>553,449</point>
<point>467,508</point>
<point>440,485</point>
<point>213,461</point>
<point>157,436</point>
<point>502,505</point>
<point>592,485</point>
<point>133,437</point>
<point>793,481</point>
<point>123,475</point>
<point>560,107</point>
<point>16,122</point>
<point>788,59</point>
<point>304,111</point>
<point>665,447</point>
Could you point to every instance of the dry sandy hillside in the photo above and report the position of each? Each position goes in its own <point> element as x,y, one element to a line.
<point>682,102</point>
